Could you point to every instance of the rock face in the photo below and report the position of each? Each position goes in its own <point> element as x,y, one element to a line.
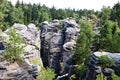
<point>51,45</point>
<point>2,47</point>
<point>71,30</point>
<point>94,69</point>
<point>57,44</point>
<point>56,49</point>
<point>27,69</point>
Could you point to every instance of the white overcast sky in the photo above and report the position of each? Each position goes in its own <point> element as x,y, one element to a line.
<point>77,4</point>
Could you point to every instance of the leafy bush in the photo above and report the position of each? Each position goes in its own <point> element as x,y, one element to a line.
<point>46,74</point>
<point>84,42</point>
<point>105,61</point>
<point>0,31</point>
<point>36,62</point>
<point>115,77</point>
<point>81,70</point>
<point>109,39</point>
<point>36,47</point>
<point>101,77</point>
<point>14,48</point>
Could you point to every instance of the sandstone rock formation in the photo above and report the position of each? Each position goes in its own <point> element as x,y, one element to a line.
<point>57,44</point>
<point>94,69</point>
<point>51,45</point>
<point>56,49</point>
<point>27,69</point>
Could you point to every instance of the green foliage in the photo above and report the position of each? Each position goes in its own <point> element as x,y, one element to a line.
<point>105,14</point>
<point>14,47</point>
<point>36,62</point>
<point>82,49</point>
<point>46,74</point>
<point>17,15</point>
<point>105,61</point>
<point>109,37</point>
<point>81,71</point>
<point>115,77</point>
<point>0,31</point>
<point>36,47</point>
<point>2,13</point>
<point>36,13</point>
<point>116,13</point>
<point>84,42</point>
<point>101,77</point>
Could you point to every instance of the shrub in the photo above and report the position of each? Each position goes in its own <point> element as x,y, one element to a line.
<point>46,74</point>
<point>14,48</point>
<point>0,31</point>
<point>115,77</point>
<point>101,77</point>
<point>105,61</point>
<point>81,71</point>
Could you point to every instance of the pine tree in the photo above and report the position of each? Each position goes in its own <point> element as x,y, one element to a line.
<point>82,50</point>
<point>2,13</point>
<point>110,37</point>
<point>116,13</point>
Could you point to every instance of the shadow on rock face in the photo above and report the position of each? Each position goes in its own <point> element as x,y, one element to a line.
<point>2,47</point>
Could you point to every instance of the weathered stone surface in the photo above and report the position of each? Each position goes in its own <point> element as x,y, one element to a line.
<point>52,41</point>
<point>14,72</point>
<point>71,33</point>
<point>69,22</point>
<point>94,69</point>
<point>71,30</point>
<point>69,45</point>
<point>55,23</point>
<point>26,69</point>
<point>30,33</point>
<point>58,44</point>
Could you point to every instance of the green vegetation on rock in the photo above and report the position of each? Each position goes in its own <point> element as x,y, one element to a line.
<point>82,50</point>
<point>105,61</point>
<point>14,48</point>
<point>46,74</point>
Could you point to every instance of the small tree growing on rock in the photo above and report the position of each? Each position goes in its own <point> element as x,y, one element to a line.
<point>84,43</point>
<point>14,48</point>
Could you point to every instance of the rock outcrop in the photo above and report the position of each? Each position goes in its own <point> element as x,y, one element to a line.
<point>26,69</point>
<point>71,31</point>
<point>57,44</point>
<point>56,49</point>
<point>94,69</point>
<point>51,45</point>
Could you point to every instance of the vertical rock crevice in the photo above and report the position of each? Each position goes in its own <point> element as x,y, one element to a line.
<point>57,44</point>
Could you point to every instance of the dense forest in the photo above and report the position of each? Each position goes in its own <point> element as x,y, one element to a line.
<point>107,21</point>
<point>37,13</point>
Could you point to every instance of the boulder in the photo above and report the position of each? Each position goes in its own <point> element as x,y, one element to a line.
<point>55,23</point>
<point>14,71</point>
<point>68,46</point>
<point>30,34</point>
<point>94,69</point>
<point>69,22</point>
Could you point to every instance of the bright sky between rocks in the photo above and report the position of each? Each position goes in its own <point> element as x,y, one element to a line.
<point>77,4</point>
